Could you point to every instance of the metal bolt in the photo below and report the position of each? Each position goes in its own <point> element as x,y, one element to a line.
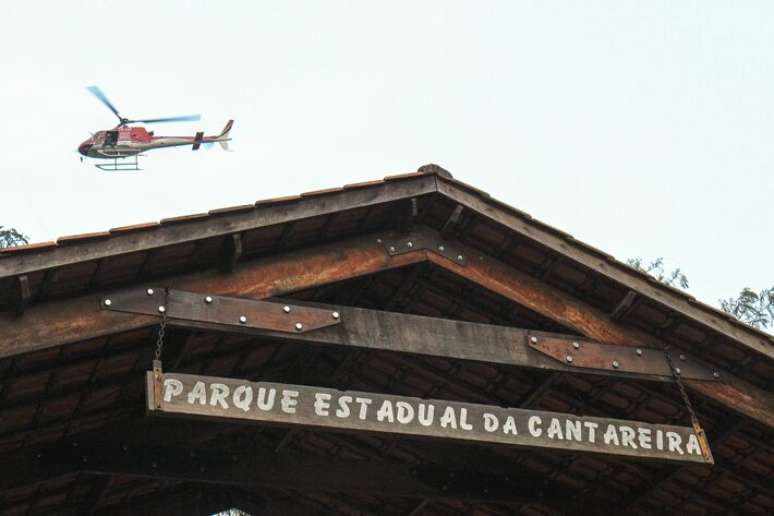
<point>715,374</point>
<point>108,302</point>
<point>162,309</point>
<point>286,309</point>
<point>576,345</point>
<point>299,326</point>
<point>242,319</point>
<point>569,359</point>
<point>410,243</point>
<point>208,299</point>
<point>441,248</point>
<point>533,339</point>
<point>149,291</point>
<point>459,257</point>
<point>336,315</point>
<point>616,365</point>
<point>639,352</point>
<point>682,357</point>
<point>378,240</point>
<point>392,248</point>
<point>677,370</point>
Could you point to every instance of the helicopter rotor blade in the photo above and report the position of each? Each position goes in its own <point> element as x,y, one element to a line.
<point>186,118</point>
<point>94,90</point>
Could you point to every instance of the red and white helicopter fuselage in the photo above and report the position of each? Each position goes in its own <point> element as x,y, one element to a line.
<point>123,141</point>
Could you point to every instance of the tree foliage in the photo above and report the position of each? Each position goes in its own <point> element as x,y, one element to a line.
<point>751,307</point>
<point>674,278</point>
<point>10,238</point>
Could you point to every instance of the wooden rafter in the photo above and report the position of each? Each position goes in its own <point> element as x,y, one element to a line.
<point>58,323</point>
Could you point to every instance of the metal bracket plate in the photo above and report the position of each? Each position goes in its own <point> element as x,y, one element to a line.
<point>221,310</point>
<point>420,240</point>
<point>594,355</point>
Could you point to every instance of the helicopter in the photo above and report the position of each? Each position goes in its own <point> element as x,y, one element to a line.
<point>124,141</point>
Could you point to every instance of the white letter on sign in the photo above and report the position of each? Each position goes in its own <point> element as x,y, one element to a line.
<point>321,403</point>
<point>243,395</point>
<point>172,387</point>
<point>289,401</point>
<point>198,393</point>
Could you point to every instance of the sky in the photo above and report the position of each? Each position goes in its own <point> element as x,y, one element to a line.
<point>641,128</point>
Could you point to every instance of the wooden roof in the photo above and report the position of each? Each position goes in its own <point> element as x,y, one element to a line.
<point>67,375</point>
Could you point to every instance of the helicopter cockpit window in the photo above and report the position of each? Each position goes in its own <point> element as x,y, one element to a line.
<point>111,137</point>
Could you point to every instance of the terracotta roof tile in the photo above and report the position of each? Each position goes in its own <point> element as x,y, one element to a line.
<point>278,200</point>
<point>232,209</point>
<point>82,237</point>
<point>321,192</point>
<point>184,218</point>
<point>37,246</point>
<point>135,227</point>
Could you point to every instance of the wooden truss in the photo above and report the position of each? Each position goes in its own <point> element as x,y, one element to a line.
<point>57,323</point>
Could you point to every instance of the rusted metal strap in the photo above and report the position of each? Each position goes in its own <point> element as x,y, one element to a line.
<point>421,239</point>
<point>220,310</point>
<point>583,354</point>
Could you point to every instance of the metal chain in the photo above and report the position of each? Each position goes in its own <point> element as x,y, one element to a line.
<point>679,381</point>
<point>698,430</point>
<point>162,327</point>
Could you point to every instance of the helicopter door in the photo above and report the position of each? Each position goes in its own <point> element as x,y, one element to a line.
<point>111,137</point>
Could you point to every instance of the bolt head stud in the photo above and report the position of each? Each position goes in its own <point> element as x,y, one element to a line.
<point>410,243</point>
<point>677,370</point>
<point>336,315</point>
<point>569,359</point>
<point>683,358</point>
<point>616,365</point>
<point>149,291</point>
<point>639,352</point>
<point>576,345</point>
<point>242,319</point>
<point>715,374</point>
<point>378,240</point>
<point>392,248</point>
<point>162,309</point>
<point>460,257</point>
<point>107,302</point>
<point>441,248</point>
<point>208,299</point>
<point>533,340</point>
<point>299,326</point>
<point>286,309</point>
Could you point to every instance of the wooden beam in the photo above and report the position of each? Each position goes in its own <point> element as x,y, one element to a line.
<point>21,294</point>
<point>220,222</point>
<point>231,252</point>
<point>480,203</point>
<point>61,322</point>
<point>405,333</point>
<point>731,392</point>
<point>218,463</point>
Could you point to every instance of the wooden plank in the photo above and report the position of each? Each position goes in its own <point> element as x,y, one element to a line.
<point>318,407</point>
<point>605,266</point>
<point>731,392</point>
<point>223,224</point>
<point>405,333</point>
<point>61,322</point>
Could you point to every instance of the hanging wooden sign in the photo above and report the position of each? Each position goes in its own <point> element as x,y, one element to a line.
<point>284,404</point>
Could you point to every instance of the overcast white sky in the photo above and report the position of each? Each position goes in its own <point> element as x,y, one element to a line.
<point>642,128</point>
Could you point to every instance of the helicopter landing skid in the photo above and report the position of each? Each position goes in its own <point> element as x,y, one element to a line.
<point>120,166</point>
